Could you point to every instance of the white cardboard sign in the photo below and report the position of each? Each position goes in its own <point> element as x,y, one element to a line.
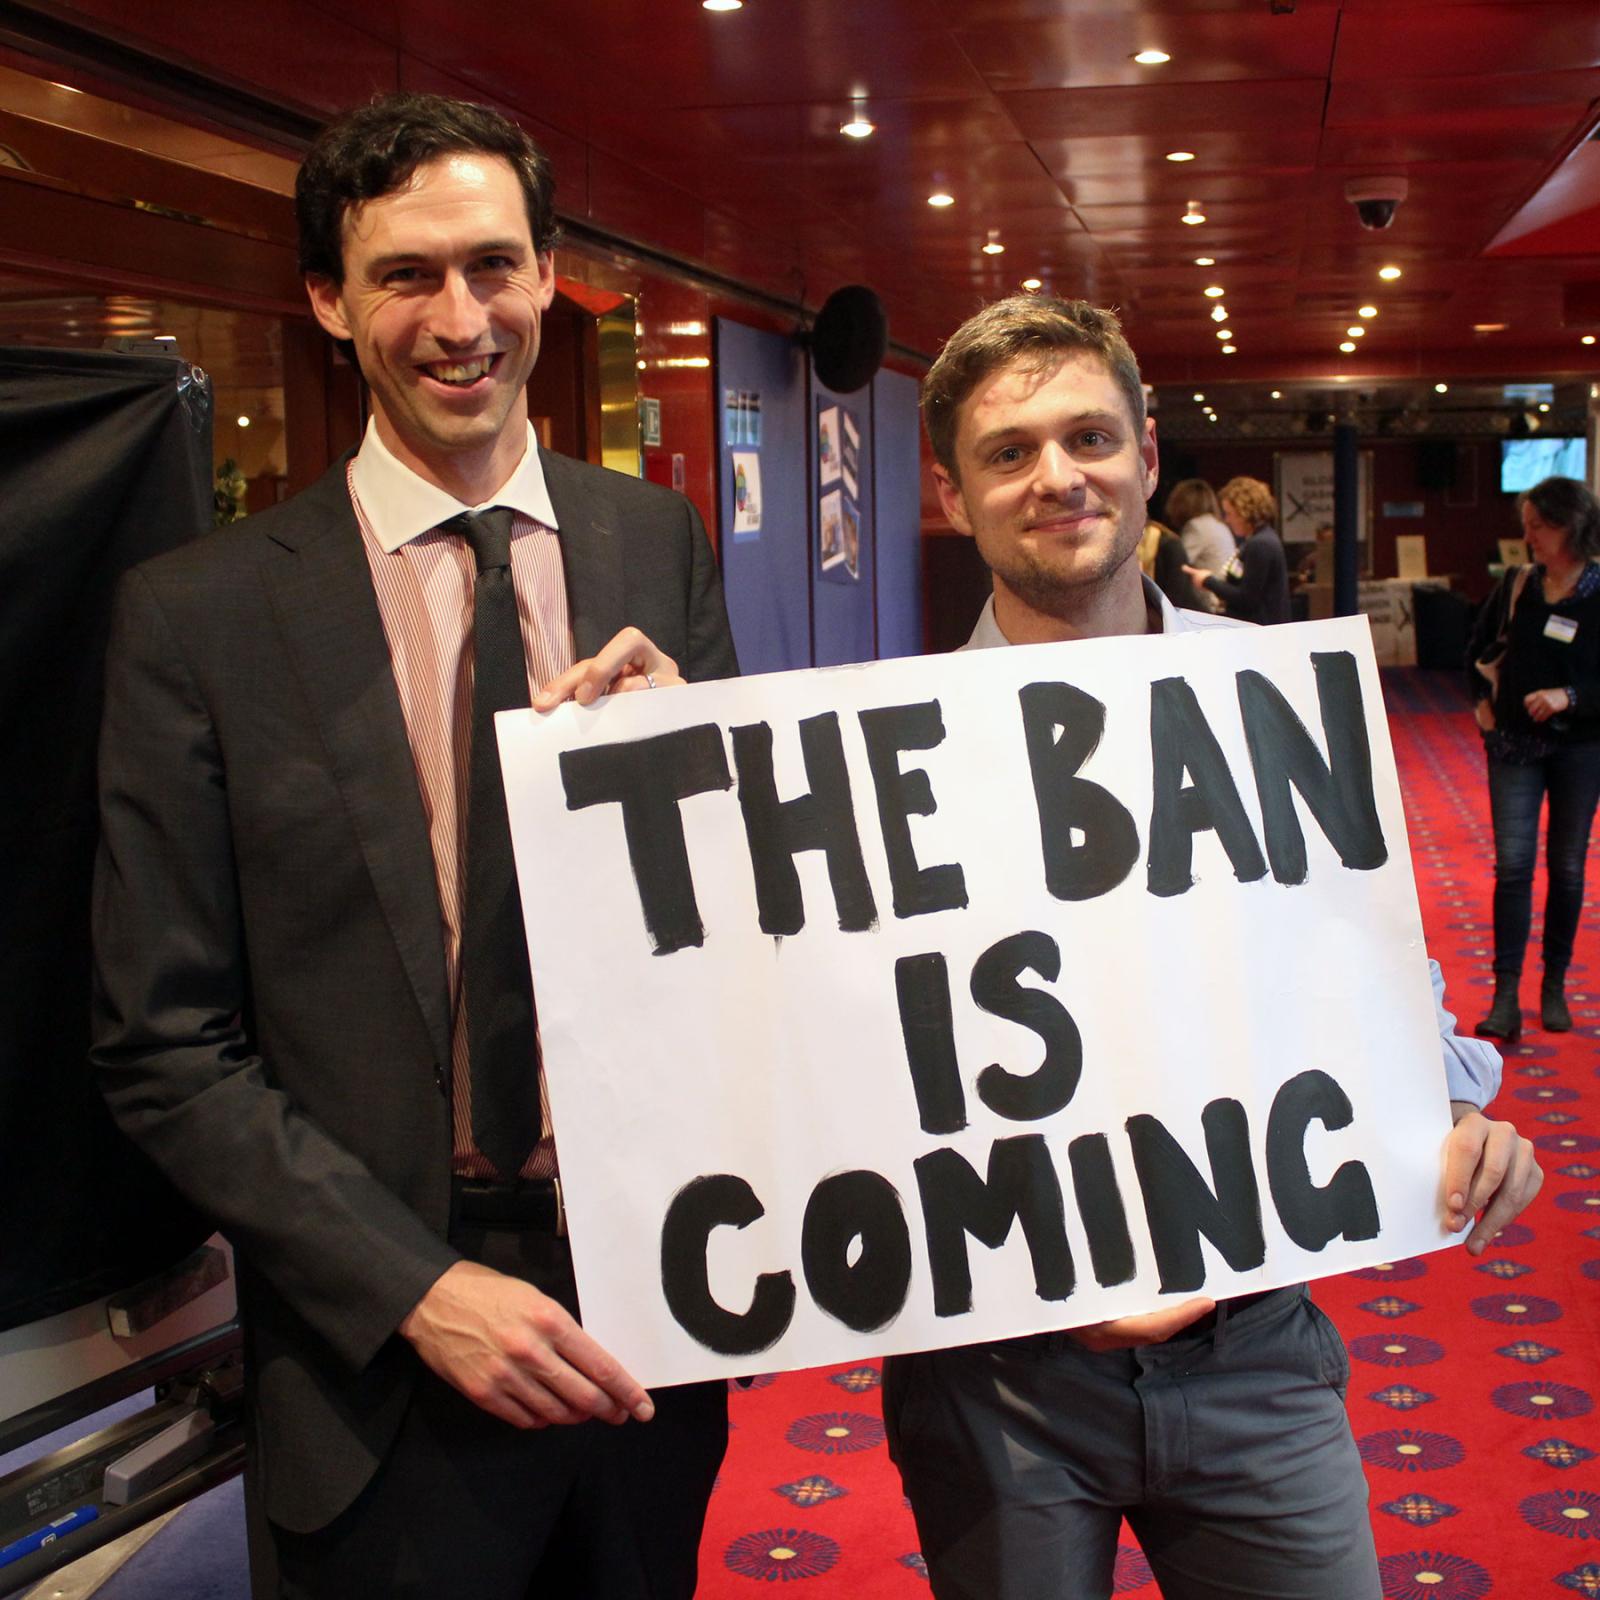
<point>945,999</point>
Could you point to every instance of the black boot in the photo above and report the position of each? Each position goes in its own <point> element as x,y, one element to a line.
<point>1504,1021</point>
<point>1553,1014</point>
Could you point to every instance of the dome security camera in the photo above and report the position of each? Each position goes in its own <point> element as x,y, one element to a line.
<point>1376,199</point>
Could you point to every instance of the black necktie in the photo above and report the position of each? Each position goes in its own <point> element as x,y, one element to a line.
<point>494,949</point>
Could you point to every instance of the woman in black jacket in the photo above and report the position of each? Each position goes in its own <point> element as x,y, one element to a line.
<point>1259,590</point>
<point>1538,704</point>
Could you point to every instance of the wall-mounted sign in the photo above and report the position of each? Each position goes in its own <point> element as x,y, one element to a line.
<point>649,421</point>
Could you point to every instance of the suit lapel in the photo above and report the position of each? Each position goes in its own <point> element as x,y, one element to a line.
<point>324,603</point>
<point>590,551</point>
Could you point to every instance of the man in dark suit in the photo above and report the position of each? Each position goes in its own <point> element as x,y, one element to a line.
<point>291,896</point>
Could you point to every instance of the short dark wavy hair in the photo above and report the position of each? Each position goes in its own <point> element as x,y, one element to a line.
<point>1039,327</point>
<point>1566,503</point>
<point>374,151</point>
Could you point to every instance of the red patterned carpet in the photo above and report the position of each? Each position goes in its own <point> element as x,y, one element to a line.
<point>1473,1383</point>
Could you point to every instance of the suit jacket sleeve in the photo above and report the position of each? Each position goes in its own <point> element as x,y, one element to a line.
<point>172,991</point>
<point>711,652</point>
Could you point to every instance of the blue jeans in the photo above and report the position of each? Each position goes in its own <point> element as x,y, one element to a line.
<point>1571,777</point>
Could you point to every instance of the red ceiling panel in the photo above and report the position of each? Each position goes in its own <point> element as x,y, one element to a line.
<point>1386,100</point>
<point>715,137</point>
<point>1161,21</point>
<point>289,49</point>
<point>1167,187</point>
<point>1264,110</point>
<point>1472,133</point>
<point>626,201</point>
<point>1096,49</point>
<point>765,58</point>
<point>1214,153</point>
<point>525,67</point>
<point>1446,41</point>
<point>906,130</point>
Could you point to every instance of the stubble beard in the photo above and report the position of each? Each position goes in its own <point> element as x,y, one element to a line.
<point>1060,588</point>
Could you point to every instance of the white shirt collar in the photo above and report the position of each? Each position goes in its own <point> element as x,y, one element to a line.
<point>987,635</point>
<point>399,505</point>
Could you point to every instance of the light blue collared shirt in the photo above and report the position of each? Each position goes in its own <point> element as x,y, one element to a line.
<point>1471,1066</point>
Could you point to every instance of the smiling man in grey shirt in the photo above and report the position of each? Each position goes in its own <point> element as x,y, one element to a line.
<point>1217,1429</point>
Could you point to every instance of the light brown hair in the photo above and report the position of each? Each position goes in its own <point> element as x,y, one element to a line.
<point>1037,327</point>
<point>1192,498</point>
<point>1252,499</point>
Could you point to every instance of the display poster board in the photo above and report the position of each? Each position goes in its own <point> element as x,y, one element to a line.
<point>1304,489</point>
<point>952,998</point>
<point>838,492</point>
<point>1411,555</point>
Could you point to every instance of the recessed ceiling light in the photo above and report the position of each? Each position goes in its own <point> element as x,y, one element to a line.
<point>941,199</point>
<point>1219,313</point>
<point>1211,417</point>
<point>722,5</point>
<point>1212,291</point>
<point>1388,274</point>
<point>1441,388</point>
<point>1033,283</point>
<point>1193,215</point>
<point>1588,338</point>
<point>1152,58</point>
<point>994,248</point>
<point>1366,311</point>
<point>858,128</point>
<point>1544,405</point>
<point>1348,345</point>
<point>1199,397</point>
<point>1180,155</point>
<point>244,422</point>
<point>1355,331</point>
<point>1488,327</point>
<point>1224,333</point>
<point>1205,261</point>
<point>1277,394</point>
<point>1228,349</point>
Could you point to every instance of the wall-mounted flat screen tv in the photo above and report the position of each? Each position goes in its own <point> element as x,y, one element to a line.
<point>1525,462</point>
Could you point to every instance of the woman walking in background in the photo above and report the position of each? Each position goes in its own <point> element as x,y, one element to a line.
<point>1207,544</point>
<point>1260,591</point>
<point>1535,675</point>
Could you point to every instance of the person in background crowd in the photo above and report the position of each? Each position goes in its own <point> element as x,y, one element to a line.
<point>1219,1428</point>
<point>1538,705</point>
<point>1192,509</point>
<point>1166,568</point>
<point>1257,590</point>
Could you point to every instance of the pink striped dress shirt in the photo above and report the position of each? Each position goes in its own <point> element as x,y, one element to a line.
<point>424,581</point>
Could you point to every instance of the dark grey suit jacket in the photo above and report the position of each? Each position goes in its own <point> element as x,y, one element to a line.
<point>271,1014</point>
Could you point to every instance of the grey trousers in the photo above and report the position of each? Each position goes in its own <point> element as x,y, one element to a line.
<point>1228,1451</point>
